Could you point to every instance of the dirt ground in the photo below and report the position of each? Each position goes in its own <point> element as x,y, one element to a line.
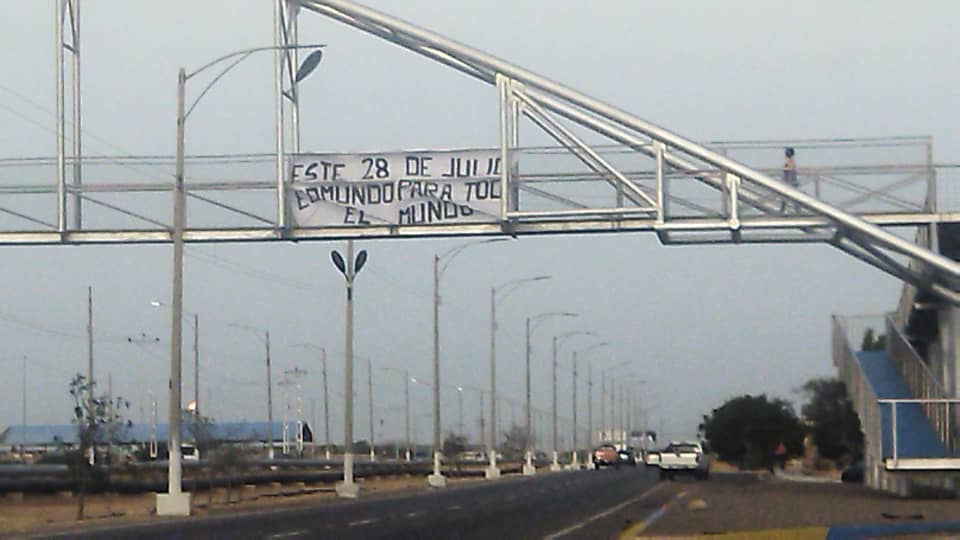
<point>732,503</point>
<point>36,514</point>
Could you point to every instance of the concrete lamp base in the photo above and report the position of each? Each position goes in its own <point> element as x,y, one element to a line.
<point>347,490</point>
<point>173,504</point>
<point>554,467</point>
<point>492,473</point>
<point>437,481</point>
<point>529,470</point>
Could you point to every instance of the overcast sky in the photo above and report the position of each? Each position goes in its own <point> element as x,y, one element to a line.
<point>700,324</point>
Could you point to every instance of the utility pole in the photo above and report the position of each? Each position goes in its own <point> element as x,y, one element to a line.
<point>590,438</point>
<point>460,427</point>
<point>406,407</point>
<point>482,431</point>
<point>528,467</point>
<point>313,424</point>
<point>285,384</point>
<point>90,346</point>
<point>23,418</point>
<point>196,365</point>
<point>492,470</point>
<point>555,466</point>
<point>297,373</point>
<point>575,463</point>
<point>326,409</point>
<point>269,401</point>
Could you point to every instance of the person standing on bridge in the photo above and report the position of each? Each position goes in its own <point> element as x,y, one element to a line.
<point>789,174</point>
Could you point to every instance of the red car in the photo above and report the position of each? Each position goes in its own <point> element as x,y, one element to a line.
<point>605,456</point>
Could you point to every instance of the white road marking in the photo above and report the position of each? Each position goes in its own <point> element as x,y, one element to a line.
<point>362,522</point>
<point>290,534</point>
<point>454,507</point>
<point>415,514</point>
<point>601,515</point>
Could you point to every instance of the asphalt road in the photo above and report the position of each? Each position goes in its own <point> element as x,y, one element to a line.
<point>569,505</point>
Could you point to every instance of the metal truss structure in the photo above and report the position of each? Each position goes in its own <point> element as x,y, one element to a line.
<point>606,171</point>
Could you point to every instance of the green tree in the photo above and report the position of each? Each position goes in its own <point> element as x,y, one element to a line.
<point>873,342</point>
<point>747,429</point>
<point>834,424</point>
<point>99,420</point>
<point>515,442</point>
<point>454,445</point>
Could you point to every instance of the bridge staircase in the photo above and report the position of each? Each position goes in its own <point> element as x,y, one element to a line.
<point>903,392</point>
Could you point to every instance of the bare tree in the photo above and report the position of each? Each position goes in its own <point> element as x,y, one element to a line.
<point>99,419</point>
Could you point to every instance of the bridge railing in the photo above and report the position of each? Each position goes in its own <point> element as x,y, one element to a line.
<point>937,404</point>
<point>923,384</point>
<point>862,396</point>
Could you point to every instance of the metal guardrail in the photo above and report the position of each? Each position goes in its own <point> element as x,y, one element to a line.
<point>146,477</point>
<point>923,384</point>
<point>925,402</point>
<point>863,397</point>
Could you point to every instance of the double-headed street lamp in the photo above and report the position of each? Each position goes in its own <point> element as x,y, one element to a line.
<point>175,502</point>
<point>557,342</point>
<point>349,267</point>
<point>326,399</point>
<point>436,479</point>
<point>503,290</point>
<point>528,468</point>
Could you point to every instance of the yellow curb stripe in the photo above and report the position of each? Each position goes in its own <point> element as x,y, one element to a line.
<point>632,531</point>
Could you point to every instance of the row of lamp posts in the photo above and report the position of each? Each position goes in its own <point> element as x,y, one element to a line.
<point>175,501</point>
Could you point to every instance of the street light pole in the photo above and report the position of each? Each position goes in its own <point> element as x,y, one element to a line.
<point>326,408</point>
<point>492,470</point>
<point>528,467</point>
<point>436,479</point>
<point>576,354</point>
<point>175,502</point>
<point>406,412</point>
<point>373,453</point>
<point>349,268</point>
<point>557,341</point>
<point>460,410</point>
<point>196,364</point>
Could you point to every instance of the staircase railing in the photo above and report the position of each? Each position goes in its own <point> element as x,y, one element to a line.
<point>921,381</point>
<point>862,396</point>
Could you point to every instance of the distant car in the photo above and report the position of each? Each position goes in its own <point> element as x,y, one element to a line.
<point>606,456</point>
<point>684,457</point>
<point>189,452</point>
<point>474,456</point>
<point>853,473</point>
<point>625,456</point>
<point>651,458</point>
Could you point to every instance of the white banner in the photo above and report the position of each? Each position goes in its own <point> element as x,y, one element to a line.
<point>395,188</point>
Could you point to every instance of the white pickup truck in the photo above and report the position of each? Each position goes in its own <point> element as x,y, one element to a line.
<point>683,458</point>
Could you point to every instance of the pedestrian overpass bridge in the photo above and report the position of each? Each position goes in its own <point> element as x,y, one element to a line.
<point>884,201</point>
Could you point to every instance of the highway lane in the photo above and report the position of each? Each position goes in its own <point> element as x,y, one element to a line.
<point>585,504</point>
